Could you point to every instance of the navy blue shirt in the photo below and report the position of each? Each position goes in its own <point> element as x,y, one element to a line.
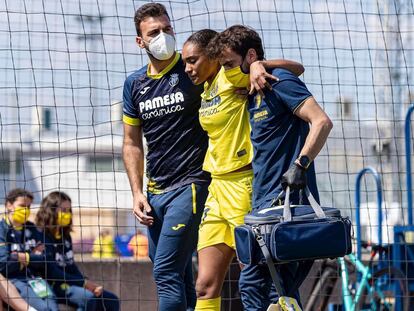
<point>278,137</point>
<point>13,241</point>
<point>166,106</point>
<point>61,267</point>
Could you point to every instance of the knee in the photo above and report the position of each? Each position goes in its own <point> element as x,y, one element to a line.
<point>167,277</point>
<point>247,278</point>
<point>115,304</point>
<point>206,288</point>
<point>159,274</point>
<point>112,301</point>
<point>91,303</point>
<point>114,298</point>
<point>43,304</point>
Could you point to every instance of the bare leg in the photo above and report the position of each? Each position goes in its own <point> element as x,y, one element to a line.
<point>10,295</point>
<point>213,264</point>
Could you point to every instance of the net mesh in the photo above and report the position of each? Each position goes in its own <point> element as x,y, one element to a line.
<point>63,65</point>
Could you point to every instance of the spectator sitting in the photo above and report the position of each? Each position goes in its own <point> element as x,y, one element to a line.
<point>69,284</point>
<point>10,296</point>
<point>21,256</point>
<point>138,245</point>
<point>104,246</point>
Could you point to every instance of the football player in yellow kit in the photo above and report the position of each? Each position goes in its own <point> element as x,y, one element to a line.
<point>223,115</point>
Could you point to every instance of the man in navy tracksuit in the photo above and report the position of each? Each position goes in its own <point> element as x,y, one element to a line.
<point>284,149</point>
<point>161,104</point>
<point>21,255</point>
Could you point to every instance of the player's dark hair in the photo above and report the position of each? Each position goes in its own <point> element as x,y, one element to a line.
<point>237,38</point>
<point>46,217</point>
<point>148,10</point>
<point>12,196</point>
<point>202,38</point>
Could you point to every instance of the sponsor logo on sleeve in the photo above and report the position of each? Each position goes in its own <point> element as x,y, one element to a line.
<point>260,115</point>
<point>174,79</point>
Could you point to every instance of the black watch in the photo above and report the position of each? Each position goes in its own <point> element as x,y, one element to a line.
<point>304,161</point>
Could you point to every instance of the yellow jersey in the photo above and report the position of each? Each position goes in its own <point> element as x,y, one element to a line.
<point>224,116</point>
<point>139,246</point>
<point>104,247</point>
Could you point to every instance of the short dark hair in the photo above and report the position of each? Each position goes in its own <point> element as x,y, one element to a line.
<point>239,39</point>
<point>148,10</point>
<point>12,196</point>
<point>46,217</point>
<point>202,38</point>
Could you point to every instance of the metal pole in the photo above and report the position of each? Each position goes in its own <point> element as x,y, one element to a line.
<point>408,164</point>
<point>358,206</point>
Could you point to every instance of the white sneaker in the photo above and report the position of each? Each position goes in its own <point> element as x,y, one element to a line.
<point>273,307</point>
<point>285,304</point>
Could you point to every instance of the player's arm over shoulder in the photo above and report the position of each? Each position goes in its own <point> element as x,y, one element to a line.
<point>289,90</point>
<point>283,75</point>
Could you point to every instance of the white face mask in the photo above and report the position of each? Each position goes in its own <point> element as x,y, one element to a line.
<point>162,47</point>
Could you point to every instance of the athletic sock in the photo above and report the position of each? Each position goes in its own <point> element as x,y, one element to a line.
<point>212,304</point>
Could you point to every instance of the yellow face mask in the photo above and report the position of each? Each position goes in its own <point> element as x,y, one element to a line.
<point>21,214</point>
<point>237,77</point>
<point>64,219</point>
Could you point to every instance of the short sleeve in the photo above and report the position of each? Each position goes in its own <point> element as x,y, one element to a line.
<point>291,91</point>
<point>130,115</point>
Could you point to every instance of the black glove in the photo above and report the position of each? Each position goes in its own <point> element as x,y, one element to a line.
<point>295,177</point>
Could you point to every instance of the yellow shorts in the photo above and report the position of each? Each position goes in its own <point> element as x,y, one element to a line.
<point>228,201</point>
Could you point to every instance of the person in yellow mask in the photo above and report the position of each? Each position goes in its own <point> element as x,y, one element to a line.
<point>104,245</point>
<point>55,218</point>
<point>138,245</point>
<point>22,254</point>
<point>19,210</point>
<point>223,115</point>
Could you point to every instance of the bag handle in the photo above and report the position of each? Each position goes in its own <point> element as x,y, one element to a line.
<point>287,214</point>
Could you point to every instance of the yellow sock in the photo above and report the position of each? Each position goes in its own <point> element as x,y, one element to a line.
<point>212,304</point>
